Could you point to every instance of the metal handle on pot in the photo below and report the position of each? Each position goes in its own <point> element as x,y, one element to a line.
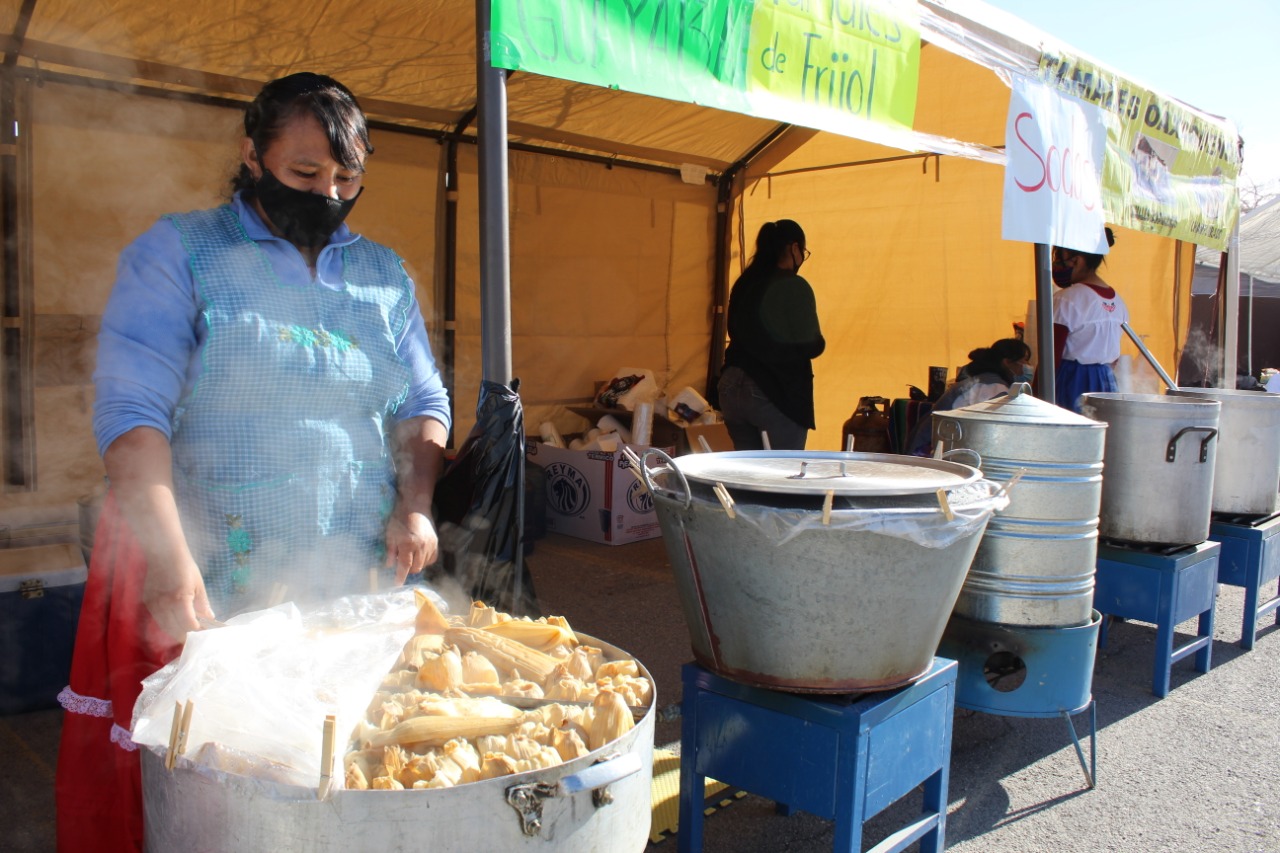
<point>670,463</point>
<point>1171,452</point>
<point>527,799</point>
<point>975,454</point>
<point>949,430</point>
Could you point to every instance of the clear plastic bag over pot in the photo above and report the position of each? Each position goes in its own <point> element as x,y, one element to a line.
<point>780,516</point>
<point>927,525</point>
<point>261,686</point>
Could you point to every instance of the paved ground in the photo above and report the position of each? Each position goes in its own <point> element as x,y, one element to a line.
<point>1192,772</point>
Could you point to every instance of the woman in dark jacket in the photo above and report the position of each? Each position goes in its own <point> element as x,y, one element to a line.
<point>766,387</point>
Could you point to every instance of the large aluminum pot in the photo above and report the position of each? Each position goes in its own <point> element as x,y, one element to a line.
<point>783,592</point>
<point>601,801</point>
<point>1247,471</point>
<point>1035,566</point>
<point>1161,455</point>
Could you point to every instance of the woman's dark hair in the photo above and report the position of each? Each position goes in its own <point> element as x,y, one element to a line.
<point>991,359</point>
<point>1093,261</point>
<point>772,241</point>
<point>329,101</point>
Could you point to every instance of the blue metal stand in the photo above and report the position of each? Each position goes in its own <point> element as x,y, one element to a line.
<point>1250,559</point>
<point>1164,590</point>
<point>840,760</point>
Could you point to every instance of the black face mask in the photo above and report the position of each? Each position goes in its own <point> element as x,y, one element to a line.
<point>303,218</point>
<point>1062,276</point>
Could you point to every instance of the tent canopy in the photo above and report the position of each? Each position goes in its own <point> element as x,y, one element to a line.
<point>130,108</point>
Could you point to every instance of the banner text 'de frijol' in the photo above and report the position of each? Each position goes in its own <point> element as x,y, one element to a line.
<point>828,64</point>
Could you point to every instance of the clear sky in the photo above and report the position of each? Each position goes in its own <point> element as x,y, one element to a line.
<point>1218,56</point>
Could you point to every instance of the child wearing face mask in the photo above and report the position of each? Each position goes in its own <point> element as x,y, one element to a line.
<point>1087,319</point>
<point>989,373</point>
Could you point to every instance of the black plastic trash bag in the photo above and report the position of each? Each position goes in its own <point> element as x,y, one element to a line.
<point>479,505</point>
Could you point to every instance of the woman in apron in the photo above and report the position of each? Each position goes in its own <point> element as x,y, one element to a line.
<point>271,421</point>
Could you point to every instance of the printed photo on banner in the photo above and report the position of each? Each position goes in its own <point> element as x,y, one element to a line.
<point>1169,169</point>
<point>1054,145</point>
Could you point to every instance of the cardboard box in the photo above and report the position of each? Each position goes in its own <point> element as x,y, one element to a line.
<point>41,589</point>
<point>666,432</point>
<point>594,495</point>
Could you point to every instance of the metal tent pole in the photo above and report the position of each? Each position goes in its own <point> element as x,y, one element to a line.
<point>1044,324</point>
<point>495,245</point>
<point>495,254</point>
<point>1230,314</point>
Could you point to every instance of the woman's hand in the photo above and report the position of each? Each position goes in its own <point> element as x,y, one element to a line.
<point>140,467</point>
<point>411,544</point>
<point>175,597</point>
<point>418,448</point>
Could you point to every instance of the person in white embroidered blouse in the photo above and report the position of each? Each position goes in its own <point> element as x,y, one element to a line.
<point>1087,316</point>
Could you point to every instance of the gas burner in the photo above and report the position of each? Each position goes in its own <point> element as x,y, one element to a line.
<point>1243,520</point>
<point>1145,547</point>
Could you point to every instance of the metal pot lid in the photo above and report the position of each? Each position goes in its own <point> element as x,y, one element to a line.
<point>1020,405</point>
<point>809,472</point>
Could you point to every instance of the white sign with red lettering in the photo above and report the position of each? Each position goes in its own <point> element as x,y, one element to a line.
<point>1053,176</point>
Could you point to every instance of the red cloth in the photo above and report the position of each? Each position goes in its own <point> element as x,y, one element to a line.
<point>99,782</point>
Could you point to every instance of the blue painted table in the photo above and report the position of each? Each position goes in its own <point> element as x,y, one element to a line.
<point>1250,559</point>
<point>1165,590</point>
<point>841,760</point>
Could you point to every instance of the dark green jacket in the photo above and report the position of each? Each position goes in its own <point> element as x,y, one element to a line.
<point>773,338</point>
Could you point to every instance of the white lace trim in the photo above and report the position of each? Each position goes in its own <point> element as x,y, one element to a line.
<point>120,737</point>
<point>86,705</point>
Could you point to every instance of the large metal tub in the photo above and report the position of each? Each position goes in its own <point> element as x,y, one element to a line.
<point>775,598</point>
<point>1247,470</point>
<point>599,802</point>
<point>1161,455</point>
<point>1036,563</point>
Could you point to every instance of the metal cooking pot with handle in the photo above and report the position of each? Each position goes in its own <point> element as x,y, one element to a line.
<point>1035,565</point>
<point>818,572</point>
<point>1161,452</point>
<point>601,801</point>
<point>1247,471</point>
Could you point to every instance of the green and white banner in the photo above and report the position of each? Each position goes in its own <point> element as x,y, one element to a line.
<point>827,64</point>
<point>1168,169</point>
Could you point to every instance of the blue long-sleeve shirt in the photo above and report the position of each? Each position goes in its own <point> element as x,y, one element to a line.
<point>153,331</point>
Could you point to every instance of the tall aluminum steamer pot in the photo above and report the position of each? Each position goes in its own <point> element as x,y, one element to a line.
<point>1035,565</point>
<point>601,801</point>
<point>1247,471</point>
<point>1161,453</point>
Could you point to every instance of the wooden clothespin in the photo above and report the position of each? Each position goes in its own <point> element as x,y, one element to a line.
<point>328,746</point>
<point>278,593</point>
<point>826,507</point>
<point>178,732</point>
<point>764,439</point>
<point>634,467</point>
<point>848,443</point>
<point>945,506</point>
<point>1013,481</point>
<point>726,500</point>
